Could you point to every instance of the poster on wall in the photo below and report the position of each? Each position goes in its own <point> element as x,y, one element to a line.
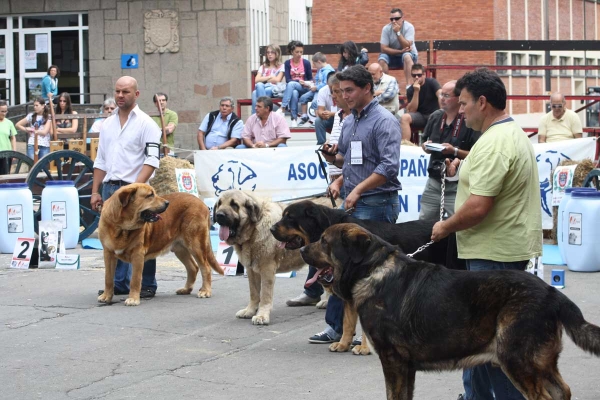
<point>41,43</point>
<point>2,58</point>
<point>30,59</point>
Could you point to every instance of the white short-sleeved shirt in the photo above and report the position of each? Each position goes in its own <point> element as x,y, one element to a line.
<point>324,98</point>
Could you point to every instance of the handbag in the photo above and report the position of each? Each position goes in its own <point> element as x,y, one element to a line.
<point>278,89</point>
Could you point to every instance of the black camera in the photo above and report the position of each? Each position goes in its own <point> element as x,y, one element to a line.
<point>436,169</point>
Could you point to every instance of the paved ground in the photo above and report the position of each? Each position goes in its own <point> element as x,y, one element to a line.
<point>57,342</point>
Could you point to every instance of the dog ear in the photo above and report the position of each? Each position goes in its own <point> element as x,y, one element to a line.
<point>253,210</point>
<point>125,197</point>
<point>356,242</point>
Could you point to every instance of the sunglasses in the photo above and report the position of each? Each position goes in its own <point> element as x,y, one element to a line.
<point>395,19</point>
<point>416,75</point>
<point>557,106</point>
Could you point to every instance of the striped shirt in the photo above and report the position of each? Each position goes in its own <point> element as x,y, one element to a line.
<point>379,132</point>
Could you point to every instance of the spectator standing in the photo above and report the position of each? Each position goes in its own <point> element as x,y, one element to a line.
<point>7,137</point>
<point>298,75</point>
<point>323,71</point>
<point>37,123</point>
<point>269,74</point>
<point>447,127</point>
<point>265,128</point>
<point>386,88</point>
<point>398,49</point>
<point>50,83</point>
<point>368,152</point>
<point>128,152</point>
<point>423,99</point>
<point>169,116</point>
<point>349,55</point>
<point>64,108</point>
<point>560,123</point>
<point>498,221</point>
<point>220,129</point>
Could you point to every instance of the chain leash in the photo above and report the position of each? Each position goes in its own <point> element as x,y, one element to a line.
<point>420,249</point>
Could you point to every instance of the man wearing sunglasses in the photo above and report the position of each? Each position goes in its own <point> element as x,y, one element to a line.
<point>423,99</point>
<point>398,48</point>
<point>560,123</point>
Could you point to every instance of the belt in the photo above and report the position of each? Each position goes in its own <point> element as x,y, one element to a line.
<point>393,193</point>
<point>118,183</point>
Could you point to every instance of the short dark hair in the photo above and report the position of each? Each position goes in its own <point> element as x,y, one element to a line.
<point>417,66</point>
<point>358,75</point>
<point>160,94</point>
<point>3,103</point>
<point>292,46</point>
<point>266,101</point>
<point>320,57</point>
<point>484,82</point>
<point>396,10</point>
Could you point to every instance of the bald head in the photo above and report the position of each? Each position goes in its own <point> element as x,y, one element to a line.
<point>126,93</point>
<point>449,99</point>
<point>375,71</point>
<point>449,86</point>
<point>128,81</point>
<point>557,98</point>
<point>557,102</point>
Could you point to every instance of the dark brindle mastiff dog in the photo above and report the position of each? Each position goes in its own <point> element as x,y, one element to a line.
<point>305,221</point>
<point>424,317</point>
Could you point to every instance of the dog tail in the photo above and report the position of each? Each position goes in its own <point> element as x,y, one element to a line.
<point>585,335</point>
<point>211,256</point>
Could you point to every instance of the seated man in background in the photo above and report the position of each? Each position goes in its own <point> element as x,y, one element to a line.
<point>560,123</point>
<point>325,110</point>
<point>386,88</point>
<point>265,128</point>
<point>220,129</point>
<point>423,99</point>
<point>323,70</point>
<point>170,117</point>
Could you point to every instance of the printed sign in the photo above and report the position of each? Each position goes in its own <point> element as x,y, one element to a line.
<point>22,253</point>
<point>186,181</point>
<point>227,258</point>
<point>575,229</point>
<point>30,59</point>
<point>129,61</point>
<point>562,179</point>
<point>14,214</point>
<point>59,212</point>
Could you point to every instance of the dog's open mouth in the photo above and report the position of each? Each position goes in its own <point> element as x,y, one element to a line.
<point>293,244</point>
<point>149,216</point>
<point>225,232</point>
<point>323,275</point>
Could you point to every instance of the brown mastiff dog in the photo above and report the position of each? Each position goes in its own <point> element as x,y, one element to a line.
<point>137,225</point>
<point>420,316</point>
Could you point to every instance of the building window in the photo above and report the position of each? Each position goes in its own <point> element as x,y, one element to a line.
<point>533,61</point>
<point>516,59</point>
<point>590,61</point>
<point>554,61</point>
<point>564,61</point>
<point>501,59</point>
<point>577,61</point>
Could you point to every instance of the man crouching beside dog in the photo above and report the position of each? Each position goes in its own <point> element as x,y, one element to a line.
<point>128,154</point>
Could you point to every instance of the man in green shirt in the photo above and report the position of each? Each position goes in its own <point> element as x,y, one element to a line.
<point>498,220</point>
<point>170,117</point>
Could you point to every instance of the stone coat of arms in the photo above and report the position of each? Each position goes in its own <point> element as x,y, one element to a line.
<point>161,31</point>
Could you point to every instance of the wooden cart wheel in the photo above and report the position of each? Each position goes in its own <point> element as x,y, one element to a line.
<point>20,163</point>
<point>70,166</point>
<point>592,179</point>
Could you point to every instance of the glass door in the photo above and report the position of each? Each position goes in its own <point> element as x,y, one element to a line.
<point>34,62</point>
<point>5,77</point>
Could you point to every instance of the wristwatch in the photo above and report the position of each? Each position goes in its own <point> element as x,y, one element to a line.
<point>456,152</point>
<point>398,33</point>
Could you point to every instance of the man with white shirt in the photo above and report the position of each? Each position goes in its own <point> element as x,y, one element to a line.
<point>128,152</point>
<point>325,110</point>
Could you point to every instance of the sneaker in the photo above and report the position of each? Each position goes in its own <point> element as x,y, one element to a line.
<point>294,123</point>
<point>303,120</point>
<point>303,300</point>
<point>357,341</point>
<point>321,338</point>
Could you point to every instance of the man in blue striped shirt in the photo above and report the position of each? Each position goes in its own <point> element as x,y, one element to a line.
<point>368,152</point>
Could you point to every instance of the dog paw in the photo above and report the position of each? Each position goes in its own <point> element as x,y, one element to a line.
<point>245,313</point>
<point>361,350</point>
<point>339,347</point>
<point>204,294</point>
<point>132,302</point>
<point>103,298</point>
<point>260,320</point>
<point>322,304</point>
<point>184,291</point>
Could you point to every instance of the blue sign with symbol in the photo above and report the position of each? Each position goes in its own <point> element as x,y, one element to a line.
<point>129,61</point>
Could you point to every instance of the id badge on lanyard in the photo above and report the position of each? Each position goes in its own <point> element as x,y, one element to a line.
<point>356,157</point>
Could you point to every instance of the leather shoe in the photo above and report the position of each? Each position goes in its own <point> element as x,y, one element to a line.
<point>116,292</point>
<point>146,293</point>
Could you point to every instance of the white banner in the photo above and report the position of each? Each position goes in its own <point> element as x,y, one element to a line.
<point>292,172</point>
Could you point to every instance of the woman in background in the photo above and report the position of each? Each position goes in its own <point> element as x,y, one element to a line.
<point>50,83</point>
<point>349,55</point>
<point>64,107</point>
<point>298,75</point>
<point>269,74</point>
<point>37,123</point>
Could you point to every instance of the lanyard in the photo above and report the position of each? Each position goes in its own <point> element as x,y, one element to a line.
<point>460,118</point>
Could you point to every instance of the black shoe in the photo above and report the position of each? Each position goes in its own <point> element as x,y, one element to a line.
<point>357,341</point>
<point>461,397</point>
<point>116,292</point>
<point>146,293</point>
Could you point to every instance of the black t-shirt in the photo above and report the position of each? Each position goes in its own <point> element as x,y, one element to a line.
<point>464,139</point>
<point>428,100</point>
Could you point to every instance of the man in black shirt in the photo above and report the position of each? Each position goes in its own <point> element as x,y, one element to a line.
<point>446,127</point>
<point>425,102</point>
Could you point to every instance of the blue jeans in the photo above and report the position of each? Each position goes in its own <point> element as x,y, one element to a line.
<point>43,150</point>
<point>307,97</point>
<point>321,126</point>
<point>486,382</point>
<point>123,270</point>
<point>243,146</point>
<point>378,207</point>
<point>261,89</point>
<point>293,91</point>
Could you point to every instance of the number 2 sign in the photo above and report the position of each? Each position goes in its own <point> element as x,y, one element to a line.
<point>22,253</point>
